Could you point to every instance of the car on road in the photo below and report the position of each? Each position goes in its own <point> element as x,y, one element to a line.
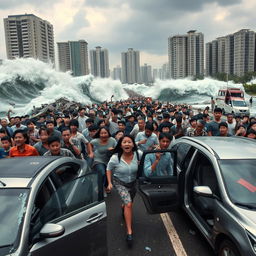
<point>51,206</point>
<point>214,181</point>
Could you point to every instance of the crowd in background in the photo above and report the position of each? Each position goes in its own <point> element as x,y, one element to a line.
<point>80,132</point>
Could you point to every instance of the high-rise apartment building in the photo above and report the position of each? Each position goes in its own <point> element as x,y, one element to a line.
<point>186,55</point>
<point>117,73</point>
<point>177,54</point>
<point>195,53</point>
<point>73,56</point>
<point>99,62</point>
<point>29,36</point>
<point>234,54</point>
<point>146,74</point>
<point>244,52</point>
<point>130,67</point>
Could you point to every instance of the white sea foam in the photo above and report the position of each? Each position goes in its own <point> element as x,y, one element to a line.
<point>29,82</point>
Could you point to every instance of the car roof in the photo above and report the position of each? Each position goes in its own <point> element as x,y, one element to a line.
<point>23,167</point>
<point>234,147</point>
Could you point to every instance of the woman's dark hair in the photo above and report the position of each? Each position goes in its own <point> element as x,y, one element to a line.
<point>24,133</point>
<point>3,130</point>
<point>154,123</point>
<point>52,139</point>
<point>165,135</point>
<point>97,135</point>
<point>100,122</point>
<point>65,129</point>
<point>43,128</point>
<point>74,122</point>
<point>118,132</point>
<point>118,149</point>
<point>165,126</point>
<point>149,126</point>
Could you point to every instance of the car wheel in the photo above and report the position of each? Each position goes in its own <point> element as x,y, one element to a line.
<point>227,248</point>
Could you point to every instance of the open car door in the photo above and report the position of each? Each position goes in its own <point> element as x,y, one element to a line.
<point>158,181</point>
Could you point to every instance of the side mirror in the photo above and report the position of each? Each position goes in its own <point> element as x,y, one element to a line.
<point>203,191</point>
<point>51,230</point>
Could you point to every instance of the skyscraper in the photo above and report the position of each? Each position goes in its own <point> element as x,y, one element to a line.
<point>186,55</point>
<point>29,36</point>
<point>234,54</point>
<point>177,53</point>
<point>244,52</point>
<point>99,62</point>
<point>117,73</point>
<point>73,56</point>
<point>195,53</point>
<point>146,74</point>
<point>130,66</point>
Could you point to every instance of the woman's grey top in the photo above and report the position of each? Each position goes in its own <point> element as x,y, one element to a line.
<point>123,171</point>
<point>100,151</point>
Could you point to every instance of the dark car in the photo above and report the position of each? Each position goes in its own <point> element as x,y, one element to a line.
<point>214,180</point>
<point>51,206</point>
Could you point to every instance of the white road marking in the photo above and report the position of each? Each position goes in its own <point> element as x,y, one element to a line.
<point>174,237</point>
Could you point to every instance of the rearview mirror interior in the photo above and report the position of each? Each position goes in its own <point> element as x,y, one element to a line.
<point>203,191</point>
<point>51,230</point>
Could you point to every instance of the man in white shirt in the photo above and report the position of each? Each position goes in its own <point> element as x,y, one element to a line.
<point>231,124</point>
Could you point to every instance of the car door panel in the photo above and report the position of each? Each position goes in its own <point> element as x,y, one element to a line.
<point>82,235</point>
<point>83,215</point>
<point>159,193</point>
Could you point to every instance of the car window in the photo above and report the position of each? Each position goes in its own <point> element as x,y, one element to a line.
<point>204,173</point>
<point>69,198</point>
<point>182,151</point>
<point>67,172</point>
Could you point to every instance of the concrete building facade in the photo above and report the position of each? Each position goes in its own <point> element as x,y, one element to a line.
<point>73,56</point>
<point>186,55</point>
<point>234,54</point>
<point>244,52</point>
<point>195,53</point>
<point>29,36</point>
<point>130,66</point>
<point>99,61</point>
<point>146,74</point>
<point>117,73</point>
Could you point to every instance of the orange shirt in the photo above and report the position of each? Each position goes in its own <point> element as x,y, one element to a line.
<point>28,151</point>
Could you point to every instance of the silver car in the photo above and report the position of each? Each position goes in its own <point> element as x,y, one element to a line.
<point>214,180</point>
<point>51,206</point>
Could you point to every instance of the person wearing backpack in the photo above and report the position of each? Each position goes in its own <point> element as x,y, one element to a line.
<point>123,165</point>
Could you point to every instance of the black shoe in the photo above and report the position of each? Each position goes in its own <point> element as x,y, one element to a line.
<point>129,240</point>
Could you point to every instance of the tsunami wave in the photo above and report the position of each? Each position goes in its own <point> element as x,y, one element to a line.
<point>29,82</point>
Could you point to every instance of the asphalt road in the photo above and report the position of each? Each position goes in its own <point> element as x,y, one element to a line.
<point>150,234</point>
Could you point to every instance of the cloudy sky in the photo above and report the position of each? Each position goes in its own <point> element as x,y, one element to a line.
<point>143,25</point>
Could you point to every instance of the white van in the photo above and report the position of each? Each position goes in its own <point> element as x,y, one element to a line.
<point>231,100</point>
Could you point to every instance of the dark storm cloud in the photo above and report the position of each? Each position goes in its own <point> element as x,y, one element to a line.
<point>72,30</point>
<point>6,4</point>
<point>161,6</point>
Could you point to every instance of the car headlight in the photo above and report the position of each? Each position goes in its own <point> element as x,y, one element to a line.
<point>252,239</point>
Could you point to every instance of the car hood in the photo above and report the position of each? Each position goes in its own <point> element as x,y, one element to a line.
<point>250,216</point>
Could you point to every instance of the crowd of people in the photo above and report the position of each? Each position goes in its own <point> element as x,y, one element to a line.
<point>111,136</point>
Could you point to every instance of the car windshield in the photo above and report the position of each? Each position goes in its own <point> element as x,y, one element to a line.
<point>240,181</point>
<point>239,103</point>
<point>13,207</point>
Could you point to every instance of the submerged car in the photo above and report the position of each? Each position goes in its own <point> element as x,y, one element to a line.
<point>51,206</point>
<point>214,180</point>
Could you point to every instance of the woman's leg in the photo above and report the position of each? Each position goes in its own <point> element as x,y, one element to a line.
<point>128,217</point>
<point>101,168</point>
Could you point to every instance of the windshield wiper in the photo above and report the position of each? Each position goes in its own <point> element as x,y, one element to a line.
<point>2,183</point>
<point>6,245</point>
<point>248,206</point>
